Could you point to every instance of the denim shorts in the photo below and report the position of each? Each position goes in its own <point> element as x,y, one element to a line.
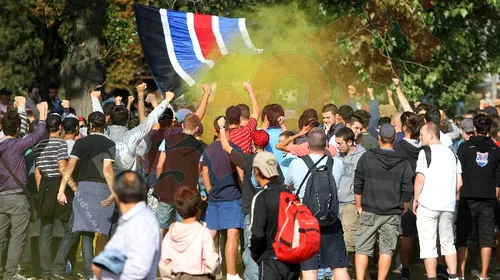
<point>165,214</point>
<point>224,215</point>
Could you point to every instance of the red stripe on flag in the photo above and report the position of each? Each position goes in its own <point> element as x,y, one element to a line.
<point>206,38</point>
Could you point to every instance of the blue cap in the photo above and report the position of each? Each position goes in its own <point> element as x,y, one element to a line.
<point>182,114</point>
<point>112,260</point>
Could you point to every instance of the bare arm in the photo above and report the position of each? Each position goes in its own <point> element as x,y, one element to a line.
<point>253,100</point>
<point>140,101</point>
<point>359,199</point>
<point>401,97</point>
<point>419,185</point>
<point>223,137</point>
<point>38,178</point>
<point>161,162</point>
<point>283,145</point>
<point>206,179</point>
<point>61,197</point>
<point>62,164</point>
<point>109,176</point>
<point>202,109</point>
<point>460,183</point>
<point>130,102</point>
<point>389,97</point>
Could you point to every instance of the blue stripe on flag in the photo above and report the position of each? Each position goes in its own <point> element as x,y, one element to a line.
<point>183,46</point>
<point>231,34</point>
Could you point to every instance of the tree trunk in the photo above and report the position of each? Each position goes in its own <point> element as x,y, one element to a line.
<point>83,69</point>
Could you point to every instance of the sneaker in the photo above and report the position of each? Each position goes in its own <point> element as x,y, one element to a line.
<point>442,271</point>
<point>475,273</point>
<point>405,274</point>
<point>18,277</point>
<point>233,277</point>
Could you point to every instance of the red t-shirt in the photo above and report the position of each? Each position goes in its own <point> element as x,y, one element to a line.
<point>498,143</point>
<point>242,136</point>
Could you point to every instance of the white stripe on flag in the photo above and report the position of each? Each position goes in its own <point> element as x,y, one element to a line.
<point>218,35</point>
<point>246,37</point>
<point>196,43</point>
<point>170,49</point>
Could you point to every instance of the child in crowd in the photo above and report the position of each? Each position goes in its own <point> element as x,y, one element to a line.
<point>188,250</point>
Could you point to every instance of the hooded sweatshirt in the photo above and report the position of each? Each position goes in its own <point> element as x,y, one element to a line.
<point>480,159</point>
<point>191,249</point>
<point>384,179</point>
<point>346,189</point>
<point>410,149</point>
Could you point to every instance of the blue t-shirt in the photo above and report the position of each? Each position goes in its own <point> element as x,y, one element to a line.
<point>223,174</point>
<point>274,136</point>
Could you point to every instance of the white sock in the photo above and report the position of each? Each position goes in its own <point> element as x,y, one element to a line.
<point>233,277</point>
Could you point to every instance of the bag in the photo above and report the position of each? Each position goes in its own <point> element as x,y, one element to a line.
<point>428,157</point>
<point>32,198</point>
<point>321,191</point>
<point>298,237</point>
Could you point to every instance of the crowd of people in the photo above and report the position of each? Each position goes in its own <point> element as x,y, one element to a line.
<point>136,185</point>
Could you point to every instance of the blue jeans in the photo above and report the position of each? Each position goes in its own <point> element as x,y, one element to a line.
<point>165,213</point>
<point>88,252</point>
<point>251,267</point>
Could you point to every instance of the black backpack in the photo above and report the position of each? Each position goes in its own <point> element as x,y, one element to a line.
<point>320,193</point>
<point>428,155</point>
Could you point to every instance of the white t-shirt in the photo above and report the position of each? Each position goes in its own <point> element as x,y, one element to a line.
<point>440,183</point>
<point>445,140</point>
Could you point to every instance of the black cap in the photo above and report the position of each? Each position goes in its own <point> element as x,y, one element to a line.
<point>167,115</point>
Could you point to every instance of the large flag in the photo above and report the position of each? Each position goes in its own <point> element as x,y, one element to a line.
<point>179,46</point>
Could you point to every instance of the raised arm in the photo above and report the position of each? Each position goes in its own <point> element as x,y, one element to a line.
<point>401,97</point>
<point>202,109</point>
<point>65,105</point>
<point>33,138</point>
<point>20,103</point>
<point>141,88</point>
<point>284,145</point>
<point>96,103</point>
<point>223,137</point>
<point>374,112</point>
<point>253,100</point>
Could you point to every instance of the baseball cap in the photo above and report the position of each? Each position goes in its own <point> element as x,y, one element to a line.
<point>182,114</point>
<point>112,260</point>
<point>468,125</point>
<point>260,138</point>
<point>491,111</point>
<point>267,164</point>
<point>387,132</point>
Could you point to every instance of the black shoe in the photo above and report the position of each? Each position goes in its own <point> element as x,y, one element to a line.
<point>442,272</point>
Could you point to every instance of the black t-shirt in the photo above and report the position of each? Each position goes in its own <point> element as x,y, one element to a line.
<point>91,152</point>
<point>250,186</point>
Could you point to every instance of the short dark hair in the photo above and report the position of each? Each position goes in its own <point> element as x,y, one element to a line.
<point>346,134</point>
<point>432,114</point>
<point>187,202</point>
<point>384,120</point>
<point>98,121</point>
<point>345,111</point>
<point>482,123</point>
<point>365,116</point>
<point>72,111</point>
<point>233,115</point>
<point>330,108</point>
<point>422,107</point>
<point>70,125</point>
<point>316,138</point>
<point>303,120</point>
<point>134,122</point>
<point>130,187</point>
<point>216,125</point>
<point>311,113</point>
<point>273,113</point>
<point>245,110</point>
<point>287,133</point>
<point>354,118</point>
<point>119,115</point>
<point>108,108</point>
<point>472,112</point>
<point>54,122</point>
<point>11,123</point>
<point>495,128</point>
<point>52,86</point>
<point>434,128</point>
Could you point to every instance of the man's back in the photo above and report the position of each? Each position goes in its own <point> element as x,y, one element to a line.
<point>480,159</point>
<point>440,184</point>
<point>183,154</point>
<point>222,171</point>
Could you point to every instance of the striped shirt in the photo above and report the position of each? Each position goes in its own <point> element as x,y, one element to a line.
<point>48,153</point>
<point>242,136</point>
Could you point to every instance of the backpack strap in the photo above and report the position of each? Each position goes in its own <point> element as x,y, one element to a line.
<point>428,158</point>
<point>312,168</point>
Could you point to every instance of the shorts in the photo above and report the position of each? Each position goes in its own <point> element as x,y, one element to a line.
<point>350,220</point>
<point>430,223</point>
<point>275,270</point>
<point>408,224</point>
<point>387,228</point>
<point>224,215</point>
<point>476,213</point>
<point>332,252</point>
<point>165,213</point>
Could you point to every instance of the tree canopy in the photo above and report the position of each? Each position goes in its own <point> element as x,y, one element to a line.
<point>439,49</point>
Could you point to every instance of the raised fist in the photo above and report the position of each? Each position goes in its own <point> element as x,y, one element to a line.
<point>95,94</point>
<point>65,104</point>
<point>395,81</point>
<point>131,99</point>
<point>248,87</point>
<point>20,100</point>
<point>169,96</point>
<point>221,122</point>
<point>118,100</point>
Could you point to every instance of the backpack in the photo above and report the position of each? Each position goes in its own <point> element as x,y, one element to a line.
<point>298,237</point>
<point>428,157</point>
<point>321,191</point>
